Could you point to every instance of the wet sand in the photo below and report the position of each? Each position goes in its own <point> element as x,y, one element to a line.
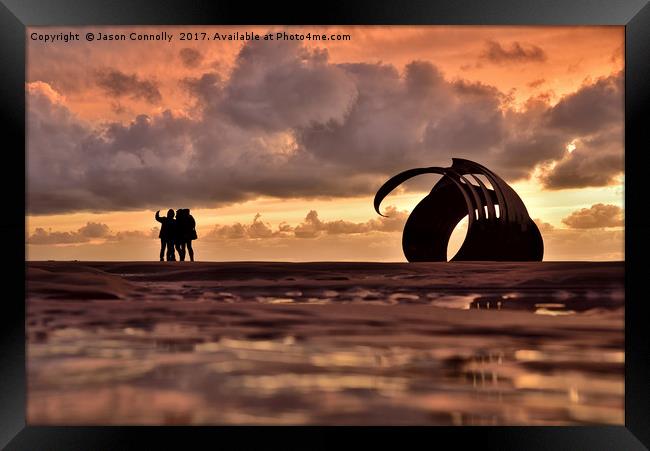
<point>325,343</point>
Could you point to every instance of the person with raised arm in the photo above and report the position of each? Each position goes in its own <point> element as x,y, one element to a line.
<point>166,235</point>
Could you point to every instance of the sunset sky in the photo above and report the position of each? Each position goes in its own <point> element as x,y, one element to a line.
<point>278,147</point>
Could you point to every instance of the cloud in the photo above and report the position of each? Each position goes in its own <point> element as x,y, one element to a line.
<point>119,84</point>
<point>84,234</point>
<point>206,89</point>
<point>516,52</point>
<point>311,227</point>
<point>275,86</point>
<point>94,230</point>
<point>587,165</point>
<point>134,235</point>
<point>288,123</point>
<point>536,83</point>
<point>544,227</point>
<point>597,216</point>
<point>592,107</point>
<point>42,236</point>
<point>190,57</point>
<point>594,115</point>
<point>257,229</point>
<point>91,232</point>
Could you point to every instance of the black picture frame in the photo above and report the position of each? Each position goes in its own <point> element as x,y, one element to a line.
<point>16,15</point>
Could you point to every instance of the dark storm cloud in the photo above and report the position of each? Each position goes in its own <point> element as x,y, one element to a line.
<point>594,116</point>
<point>275,86</point>
<point>190,57</point>
<point>289,123</point>
<point>473,123</point>
<point>586,166</point>
<point>597,216</point>
<point>206,88</point>
<point>515,52</point>
<point>118,84</point>
<point>591,108</point>
<point>591,119</point>
<point>415,119</point>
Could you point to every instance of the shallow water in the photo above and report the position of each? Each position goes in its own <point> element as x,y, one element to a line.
<point>325,343</point>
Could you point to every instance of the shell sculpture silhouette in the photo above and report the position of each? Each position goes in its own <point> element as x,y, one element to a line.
<point>499,227</point>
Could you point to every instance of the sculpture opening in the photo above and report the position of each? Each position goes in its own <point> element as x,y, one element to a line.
<point>499,227</point>
<point>457,238</point>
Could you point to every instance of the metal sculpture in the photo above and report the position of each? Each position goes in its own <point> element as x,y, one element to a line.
<point>499,227</point>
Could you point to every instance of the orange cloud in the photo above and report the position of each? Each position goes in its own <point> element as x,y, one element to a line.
<point>97,233</point>
<point>597,216</point>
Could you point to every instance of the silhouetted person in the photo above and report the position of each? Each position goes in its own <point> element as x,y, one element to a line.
<point>185,233</point>
<point>167,235</point>
<point>178,232</point>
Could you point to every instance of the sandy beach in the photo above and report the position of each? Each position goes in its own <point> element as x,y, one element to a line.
<point>481,343</point>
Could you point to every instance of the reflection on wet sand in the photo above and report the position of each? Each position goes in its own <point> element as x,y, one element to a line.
<point>364,351</point>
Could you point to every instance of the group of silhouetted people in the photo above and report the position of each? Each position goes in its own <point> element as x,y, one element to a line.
<point>176,234</point>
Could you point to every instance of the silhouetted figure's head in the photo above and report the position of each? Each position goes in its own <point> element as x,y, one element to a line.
<point>187,211</point>
<point>170,213</point>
